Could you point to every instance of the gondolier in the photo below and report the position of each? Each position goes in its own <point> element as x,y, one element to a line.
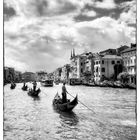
<point>24,84</point>
<point>64,93</point>
<point>34,85</point>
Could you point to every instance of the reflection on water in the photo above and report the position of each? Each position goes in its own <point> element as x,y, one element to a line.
<point>36,98</point>
<point>69,118</point>
<point>26,117</point>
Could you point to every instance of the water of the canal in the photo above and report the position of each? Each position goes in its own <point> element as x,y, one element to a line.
<point>26,118</point>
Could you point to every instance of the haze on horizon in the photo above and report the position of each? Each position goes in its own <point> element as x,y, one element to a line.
<point>40,34</point>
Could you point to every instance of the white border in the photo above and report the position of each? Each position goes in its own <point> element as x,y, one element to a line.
<point>1,70</point>
<point>138,69</point>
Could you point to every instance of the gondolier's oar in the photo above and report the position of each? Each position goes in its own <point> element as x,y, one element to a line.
<point>83,104</point>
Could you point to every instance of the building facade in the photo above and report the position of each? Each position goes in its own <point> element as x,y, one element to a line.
<point>77,66</point>
<point>28,76</point>
<point>57,74</point>
<point>104,66</point>
<point>108,52</point>
<point>65,73</point>
<point>41,75</point>
<point>18,76</point>
<point>9,74</point>
<point>129,62</point>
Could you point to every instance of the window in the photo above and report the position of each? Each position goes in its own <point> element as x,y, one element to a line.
<point>103,69</point>
<point>81,70</point>
<point>102,61</point>
<point>118,62</point>
<point>99,62</point>
<point>135,60</point>
<point>96,62</point>
<point>81,64</point>
<point>113,62</point>
<point>128,62</point>
<point>97,69</point>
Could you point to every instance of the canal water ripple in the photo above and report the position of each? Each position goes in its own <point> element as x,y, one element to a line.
<point>113,115</point>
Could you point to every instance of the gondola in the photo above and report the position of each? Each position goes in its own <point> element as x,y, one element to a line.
<point>13,86</point>
<point>34,93</point>
<point>24,88</point>
<point>65,107</point>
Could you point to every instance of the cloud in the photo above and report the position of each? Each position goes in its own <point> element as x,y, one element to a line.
<point>104,32</point>
<point>43,38</point>
<point>105,4</point>
<point>129,14</point>
<point>8,12</point>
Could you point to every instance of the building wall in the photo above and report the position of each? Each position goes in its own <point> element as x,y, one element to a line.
<point>57,74</point>
<point>9,74</point>
<point>65,72</point>
<point>41,75</point>
<point>28,76</point>
<point>77,66</point>
<point>18,76</point>
<point>74,67</point>
<point>129,61</point>
<point>105,67</point>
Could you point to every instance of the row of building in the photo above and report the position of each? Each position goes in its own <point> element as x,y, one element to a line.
<point>10,74</point>
<point>99,66</point>
<point>105,65</point>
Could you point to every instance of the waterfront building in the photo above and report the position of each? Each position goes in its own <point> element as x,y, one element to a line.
<point>65,72</point>
<point>28,76</point>
<point>120,49</point>
<point>88,73</point>
<point>50,76</point>
<point>9,74</point>
<point>77,65</point>
<point>18,76</point>
<point>41,75</point>
<point>57,74</point>
<point>129,62</point>
<point>108,52</point>
<point>104,66</point>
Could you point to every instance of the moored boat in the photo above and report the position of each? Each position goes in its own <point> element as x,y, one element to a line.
<point>75,81</point>
<point>65,107</point>
<point>34,93</point>
<point>47,83</point>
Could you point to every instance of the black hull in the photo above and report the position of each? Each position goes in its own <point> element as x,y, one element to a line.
<point>65,107</point>
<point>47,85</point>
<point>13,86</point>
<point>24,88</point>
<point>34,94</point>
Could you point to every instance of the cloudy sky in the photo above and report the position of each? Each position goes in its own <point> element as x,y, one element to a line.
<point>40,34</point>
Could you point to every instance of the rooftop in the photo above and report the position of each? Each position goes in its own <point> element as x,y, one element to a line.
<point>129,49</point>
<point>112,56</point>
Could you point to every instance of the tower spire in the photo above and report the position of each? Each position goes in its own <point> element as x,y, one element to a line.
<point>73,53</point>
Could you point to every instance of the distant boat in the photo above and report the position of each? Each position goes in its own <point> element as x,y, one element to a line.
<point>13,86</point>
<point>47,83</point>
<point>65,107</point>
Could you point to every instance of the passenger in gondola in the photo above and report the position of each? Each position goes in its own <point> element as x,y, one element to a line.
<point>24,84</point>
<point>64,93</point>
<point>34,85</point>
